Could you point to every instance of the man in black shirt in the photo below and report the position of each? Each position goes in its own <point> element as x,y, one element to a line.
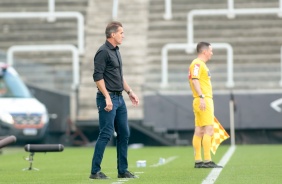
<point>112,109</point>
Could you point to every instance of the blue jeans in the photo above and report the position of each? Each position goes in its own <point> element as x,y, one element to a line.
<point>116,120</point>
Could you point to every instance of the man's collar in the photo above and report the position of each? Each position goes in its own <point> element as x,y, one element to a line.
<point>201,60</point>
<point>111,46</point>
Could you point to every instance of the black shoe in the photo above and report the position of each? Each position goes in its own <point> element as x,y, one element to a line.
<point>210,164</point>
<point>127,174</point>
<point>98,175</point>
<point>199,165</point>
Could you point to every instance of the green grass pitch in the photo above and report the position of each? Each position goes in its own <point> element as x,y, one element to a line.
<point>249,164</point>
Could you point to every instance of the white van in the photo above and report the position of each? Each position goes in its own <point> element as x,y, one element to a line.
<point>21,114</point>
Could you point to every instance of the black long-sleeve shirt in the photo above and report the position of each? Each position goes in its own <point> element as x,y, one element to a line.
<point>108,66</point>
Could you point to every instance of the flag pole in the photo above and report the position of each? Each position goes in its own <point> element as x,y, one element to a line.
<point>232,127</point>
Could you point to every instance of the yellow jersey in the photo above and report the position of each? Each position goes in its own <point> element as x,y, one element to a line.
<point>199,70</point>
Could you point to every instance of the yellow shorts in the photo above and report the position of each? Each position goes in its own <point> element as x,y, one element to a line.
<point>203,118</point>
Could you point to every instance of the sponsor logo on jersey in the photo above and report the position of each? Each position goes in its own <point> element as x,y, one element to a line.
<point>196,69</point>
<point>189,75</point>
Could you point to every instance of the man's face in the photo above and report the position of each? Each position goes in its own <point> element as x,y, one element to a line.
<point>118,36</point>
<point>209,53</point>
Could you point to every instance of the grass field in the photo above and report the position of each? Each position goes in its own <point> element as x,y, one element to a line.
<point>249,164</point>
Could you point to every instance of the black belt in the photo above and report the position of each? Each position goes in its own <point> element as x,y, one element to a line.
<point>119,93</point>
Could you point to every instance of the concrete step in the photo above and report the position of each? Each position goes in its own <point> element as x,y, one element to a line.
<point>180,87</point>
<point>237,49</point>
<point>89,92</point>
<point>234,41</point>
<point>250,58</point>
<point>36,6</point>
<point>46,34</point>
<point>5,45</point>
<point>225,32</point>
<point>182,77</point>
<point>133,81</point>
<point>222,67</point>
<point>182,5</point>
<point>38,23</point>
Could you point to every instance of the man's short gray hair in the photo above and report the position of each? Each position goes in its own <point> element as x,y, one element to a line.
<point>112,27</point>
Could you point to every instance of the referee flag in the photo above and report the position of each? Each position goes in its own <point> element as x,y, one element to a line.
<point>219,135</point>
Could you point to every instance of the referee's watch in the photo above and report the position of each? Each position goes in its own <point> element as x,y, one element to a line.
<point>202,96</point>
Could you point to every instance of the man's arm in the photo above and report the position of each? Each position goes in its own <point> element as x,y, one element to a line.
<point>100,60</point>
<point>197,87</point>
<point>134,99</point>
<point>102,87</point>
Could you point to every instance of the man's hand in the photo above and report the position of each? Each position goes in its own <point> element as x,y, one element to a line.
<point>202,104</point>
<point>109,104</point>
<point>134,99</point>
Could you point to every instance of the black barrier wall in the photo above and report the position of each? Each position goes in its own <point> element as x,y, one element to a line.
<point>253,111</point>
<point>57,104</point>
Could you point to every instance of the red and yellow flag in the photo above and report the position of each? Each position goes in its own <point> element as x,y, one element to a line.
<point>219,135</point>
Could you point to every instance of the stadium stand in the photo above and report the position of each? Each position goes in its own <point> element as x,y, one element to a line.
<point>255,40</point>
<point>48,70</point>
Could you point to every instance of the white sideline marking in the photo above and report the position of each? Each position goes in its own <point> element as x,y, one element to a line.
<point>167,160</point>
<point>216,171</point>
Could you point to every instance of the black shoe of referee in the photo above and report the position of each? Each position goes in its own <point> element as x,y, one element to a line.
<point>198,164</point>
<point>210,164</point>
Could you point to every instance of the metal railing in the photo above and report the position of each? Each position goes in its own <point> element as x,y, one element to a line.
<point>168,14</point>
<point>50,15</point>
<point>179,46</point>
<point>75,66</point>
<point>51,8</point>
<point>115,9</point>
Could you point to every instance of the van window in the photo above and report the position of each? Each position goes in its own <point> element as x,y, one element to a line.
<point>11,86</point>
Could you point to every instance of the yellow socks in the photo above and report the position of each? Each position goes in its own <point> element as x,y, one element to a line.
<point>197,143</point>
<point>207,147</point>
